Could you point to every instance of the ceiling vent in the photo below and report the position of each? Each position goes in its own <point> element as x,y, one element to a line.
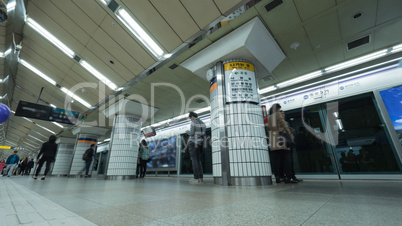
<point>113,5</point>
<point>359,42</point>
<point>272,5</point>
<point>173,66</point>
<point>77,58</point>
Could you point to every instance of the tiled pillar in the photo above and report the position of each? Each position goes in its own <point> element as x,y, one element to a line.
<point>84,142</point>
<point>128,117</point>
<point>124,145</point>
<point>86,135</point>
<point>65,153</point>
<point>239,147</point>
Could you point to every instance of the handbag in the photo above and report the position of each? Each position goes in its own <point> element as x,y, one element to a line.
<point>289,142</point>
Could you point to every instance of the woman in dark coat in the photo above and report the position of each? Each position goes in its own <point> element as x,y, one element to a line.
<point>47,154</point>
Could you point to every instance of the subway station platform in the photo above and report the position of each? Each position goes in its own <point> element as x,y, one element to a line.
<point>172,201</point>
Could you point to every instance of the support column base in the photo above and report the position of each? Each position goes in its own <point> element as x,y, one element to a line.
<point>246,181</point>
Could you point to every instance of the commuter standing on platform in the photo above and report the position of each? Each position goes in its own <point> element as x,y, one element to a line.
<point>280,153</point>
<point>144,157</point>
<point>11,162</point>
<point>47,154</point>
<point>292,170</point>
<point>87,157</point>
<point>195,144</point>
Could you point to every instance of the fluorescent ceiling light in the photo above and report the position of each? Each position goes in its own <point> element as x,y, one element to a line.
<point>356,61</point>
<point>57,124</point>
<point>35,138</point>
<point>105,140</point>
<point>72,95</point>
<point>8,51</point>
<point>36,71</point>
<point>339,122</point>
<point>11,6</point>
<point>27,119</point>
<point>268,89</point>
<point>52,105</point>
<point>202,110</point>
<point>45,129</point>
<point>299,79</point>
<point>2,97</point>
<point>140,33</point>
<point>396,48</point>
<point>30,144</point>
<point>4,80</point>
<point>98,75</point>
<point>104,2</point>
<point>50,37</point>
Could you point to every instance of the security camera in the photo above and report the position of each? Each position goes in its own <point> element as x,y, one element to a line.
<point>3,11</point>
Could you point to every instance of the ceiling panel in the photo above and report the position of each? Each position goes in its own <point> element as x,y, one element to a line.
<point>55,29</point>
<point>310,8</point>
<point>285,70</point>
<point>305,64</point>
<point>197,11</point>
<point>40,64</point>
<point>382,35</point>
<point>349,25</point>
<point>76,15</point>
<point>102,67</point>
<point>127,42</point>
<point>177,17</point>
<point>388,10</point>
<point>227,7</point>
<point>153,22</point>
<point>113,52</point>
<point>42,46</point>
<point>92,8</point>
<point>298,35</point>
<point>324,30</point>
<point>50,55</point>
<point>331,55</point>
<point>278,21</point>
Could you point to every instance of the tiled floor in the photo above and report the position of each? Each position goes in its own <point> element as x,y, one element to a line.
<point>172,201</point>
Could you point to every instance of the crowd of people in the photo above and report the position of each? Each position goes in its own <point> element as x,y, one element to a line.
<point>279,135</point>
<point>16,166</point>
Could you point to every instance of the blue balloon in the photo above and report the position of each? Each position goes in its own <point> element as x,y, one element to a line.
<point>4,113</point>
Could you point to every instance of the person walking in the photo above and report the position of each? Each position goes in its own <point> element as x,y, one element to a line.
<point>29,166</point>
<point>87,157</point>
<point>11,162</point>
<point>47,154</point>
<point>280,152</point>
<point>144,157</point>
<point>195,144</point>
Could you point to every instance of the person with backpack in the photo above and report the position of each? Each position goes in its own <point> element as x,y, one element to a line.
<point>144,157</point>
<point>87,157</point>
<point>11,162</point>
<point>47,154</point>
<point>195,144</point>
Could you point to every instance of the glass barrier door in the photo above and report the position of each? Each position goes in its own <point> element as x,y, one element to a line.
<point>363,145</point>
<point>311,154</point>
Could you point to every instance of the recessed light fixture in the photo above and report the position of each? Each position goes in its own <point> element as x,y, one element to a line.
<point>357,15</point>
